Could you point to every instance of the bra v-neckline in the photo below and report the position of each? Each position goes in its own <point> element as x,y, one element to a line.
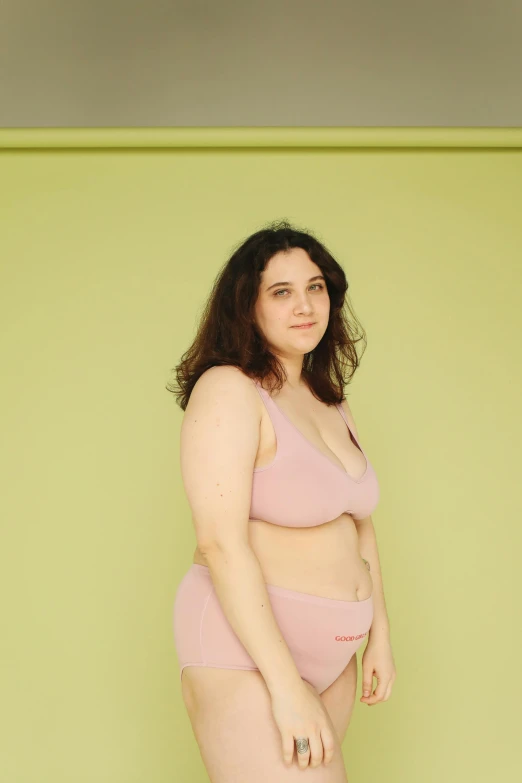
<point>321,453</point>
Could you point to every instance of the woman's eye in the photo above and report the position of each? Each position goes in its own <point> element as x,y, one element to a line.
<point>282,290</point>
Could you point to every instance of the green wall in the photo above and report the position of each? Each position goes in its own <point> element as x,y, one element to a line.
<point>109,243</point>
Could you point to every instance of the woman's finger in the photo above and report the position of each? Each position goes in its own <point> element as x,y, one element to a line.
<point>302,758</point>
<point>328,741</point>
<point>316,750</point>
<point>288,749</point>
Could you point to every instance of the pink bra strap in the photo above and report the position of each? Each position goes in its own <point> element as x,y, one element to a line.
<point>340,408</point>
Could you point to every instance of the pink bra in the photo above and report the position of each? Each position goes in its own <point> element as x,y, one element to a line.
<point>302,487</point>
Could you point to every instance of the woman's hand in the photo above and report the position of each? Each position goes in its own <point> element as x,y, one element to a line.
<point>299,712</point>
<point>377,660</point>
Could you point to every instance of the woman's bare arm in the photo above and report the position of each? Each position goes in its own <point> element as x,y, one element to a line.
<point>219,442</point>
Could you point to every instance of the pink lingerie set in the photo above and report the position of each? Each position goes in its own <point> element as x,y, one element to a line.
<point>301,487</point>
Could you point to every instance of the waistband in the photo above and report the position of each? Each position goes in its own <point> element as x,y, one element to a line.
<point>317,600</point>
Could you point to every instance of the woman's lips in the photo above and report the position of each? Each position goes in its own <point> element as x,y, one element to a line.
<point>304,326</point>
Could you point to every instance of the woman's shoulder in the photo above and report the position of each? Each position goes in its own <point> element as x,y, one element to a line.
<point>226,373</point>
<point>224,382</point>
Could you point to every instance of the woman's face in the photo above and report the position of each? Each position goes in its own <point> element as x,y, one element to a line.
<point>288,297</point>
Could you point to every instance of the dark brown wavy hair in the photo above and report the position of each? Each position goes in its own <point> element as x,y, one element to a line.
<point>228,333</point>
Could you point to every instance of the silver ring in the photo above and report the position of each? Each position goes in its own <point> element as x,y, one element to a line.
<point>302,744</point>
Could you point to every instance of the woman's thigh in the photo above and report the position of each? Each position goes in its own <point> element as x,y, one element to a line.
<point>231,717</point>
<point>339,698</point>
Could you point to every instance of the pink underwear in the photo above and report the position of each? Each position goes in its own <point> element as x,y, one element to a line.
<point>322,634</point>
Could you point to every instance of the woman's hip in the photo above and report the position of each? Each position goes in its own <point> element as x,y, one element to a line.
<point>320,632</point>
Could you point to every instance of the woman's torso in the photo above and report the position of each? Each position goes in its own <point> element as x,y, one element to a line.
<point>323,559</point>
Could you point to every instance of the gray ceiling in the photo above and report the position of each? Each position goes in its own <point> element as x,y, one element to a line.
<point>295,63</point>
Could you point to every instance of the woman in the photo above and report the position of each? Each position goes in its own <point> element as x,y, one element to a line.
<point>268,618</point>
